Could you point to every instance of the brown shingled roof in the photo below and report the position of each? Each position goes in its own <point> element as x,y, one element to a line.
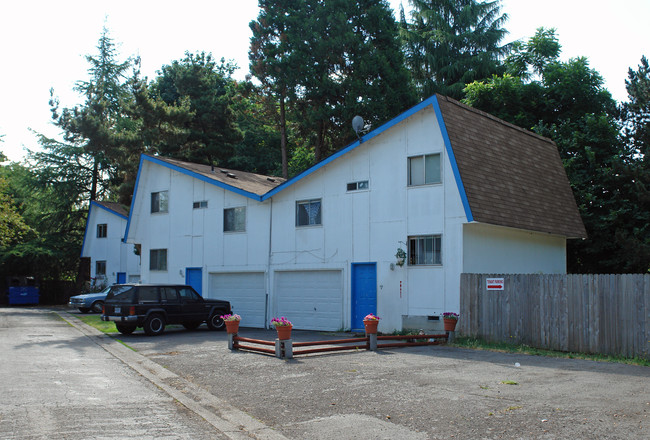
<point>512,177</point>
<point>115,207</point>
<point>253,183</point>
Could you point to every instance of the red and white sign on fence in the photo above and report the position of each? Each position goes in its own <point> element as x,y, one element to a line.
<point>494,283</point>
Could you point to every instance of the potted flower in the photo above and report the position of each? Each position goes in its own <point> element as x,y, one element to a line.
<point>450,319</point>
<point>283,326</point>
<point>401,257</point>
<point>232,322</point>
<point>370,322</point>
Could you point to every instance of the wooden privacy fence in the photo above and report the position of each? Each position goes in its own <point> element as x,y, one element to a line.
<point>606,314</point>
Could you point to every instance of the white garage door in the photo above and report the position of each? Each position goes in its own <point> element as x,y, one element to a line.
<point>246,293</point>
<point>311,300</point>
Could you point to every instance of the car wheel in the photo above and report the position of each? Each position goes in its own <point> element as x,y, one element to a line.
<point>193,325</point>
<point>124,328</point>
<point>215,322</point>
<point>154,325</point>
<point>97,306</point>
<point>84,309</point>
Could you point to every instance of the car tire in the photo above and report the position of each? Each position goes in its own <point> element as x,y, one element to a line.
<point>154,324</point>
<point>97,306</point>
<point>125,329</point>
<point>215,322</point>
<point>84,309</point>
<point>193,325</point>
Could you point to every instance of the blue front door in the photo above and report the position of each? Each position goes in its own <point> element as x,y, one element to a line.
<point>194,278</point>
<point>121,277</point>
<point>364,292</point>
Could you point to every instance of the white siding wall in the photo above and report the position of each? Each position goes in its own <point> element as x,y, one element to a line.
<point>367,226</point>
<point>119,256</point>
<point>492,249</point>
<point>195,237</point>
<point>361,226</point>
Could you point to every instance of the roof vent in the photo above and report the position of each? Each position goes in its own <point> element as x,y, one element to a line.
<point>231,175</point>
<point>270,179</point>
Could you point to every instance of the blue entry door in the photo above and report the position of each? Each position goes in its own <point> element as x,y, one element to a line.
<point>194,278</point>
<point>364,292</point>
<point>121,277</point>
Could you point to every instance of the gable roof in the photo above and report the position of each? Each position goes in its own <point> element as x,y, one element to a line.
<point>512,177</point>
<point>505,175</point>
<point>112,207</point>
<point>249,185</point>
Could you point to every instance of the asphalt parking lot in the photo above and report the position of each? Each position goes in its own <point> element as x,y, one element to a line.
<point>409,393</point>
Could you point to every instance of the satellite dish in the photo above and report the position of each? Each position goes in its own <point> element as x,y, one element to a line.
<point>357,125</point>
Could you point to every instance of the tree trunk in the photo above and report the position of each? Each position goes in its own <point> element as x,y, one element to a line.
<point>283,139</point>
<point>318,150</point>
<point>93,187</point>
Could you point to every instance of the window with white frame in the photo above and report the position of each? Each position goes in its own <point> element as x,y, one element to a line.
<point>102,230</point>
<point>100,268</point>
<point>357,186</point>
<point>159,201</point>
<point>158,259</point>
<point>424,170</point>
<point>201,204</point>
<point>308,213</point>
<point>425,250</point>
<point>234,219</point>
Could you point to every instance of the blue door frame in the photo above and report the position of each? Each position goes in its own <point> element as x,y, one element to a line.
<point>194,278</point>
<point>364,292</point>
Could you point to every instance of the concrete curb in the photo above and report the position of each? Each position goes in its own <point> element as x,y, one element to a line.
<point>230,421</point>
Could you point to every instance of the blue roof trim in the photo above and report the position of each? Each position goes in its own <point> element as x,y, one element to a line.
<point>187,172</point>
<point>376,132</point>
<point>452,160</point>
<point>203,178</point>
<point>90,209</point>
<point>92,202</point>
<point>135,193</point>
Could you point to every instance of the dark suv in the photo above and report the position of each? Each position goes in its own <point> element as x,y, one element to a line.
<point>152,306</point>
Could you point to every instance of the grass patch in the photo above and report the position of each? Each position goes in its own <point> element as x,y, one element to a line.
<point>509,382</point>
<point>95,321</point>
<point>126,345</point>
<point>479,344</point>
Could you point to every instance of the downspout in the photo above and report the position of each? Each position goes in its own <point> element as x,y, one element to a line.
<point>268,267</point>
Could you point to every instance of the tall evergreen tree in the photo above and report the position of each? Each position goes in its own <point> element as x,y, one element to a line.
<point>212,131</point>
<point>274,59</point>
<point>451,43</point>
<point>331,60</point>
<point>96,123</point>
<point>635,239</point>
<point>354,67</point>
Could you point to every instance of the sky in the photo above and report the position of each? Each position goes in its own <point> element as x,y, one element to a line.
<point>43,44</point>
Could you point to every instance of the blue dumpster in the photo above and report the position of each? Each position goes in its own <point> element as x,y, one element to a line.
<point>23,295</point>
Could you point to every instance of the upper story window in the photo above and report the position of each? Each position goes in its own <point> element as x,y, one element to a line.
<point>424,250</point>
<point>234,219</point>
<point>201,204</point>
<point>158,259</point>
<point>424,170</point>
<point>308,213</point>
<point>356,186</point>
<point>102,230</point>
<point>160,201</point>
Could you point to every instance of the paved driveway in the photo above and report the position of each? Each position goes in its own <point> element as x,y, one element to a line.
<point>411,393</point>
